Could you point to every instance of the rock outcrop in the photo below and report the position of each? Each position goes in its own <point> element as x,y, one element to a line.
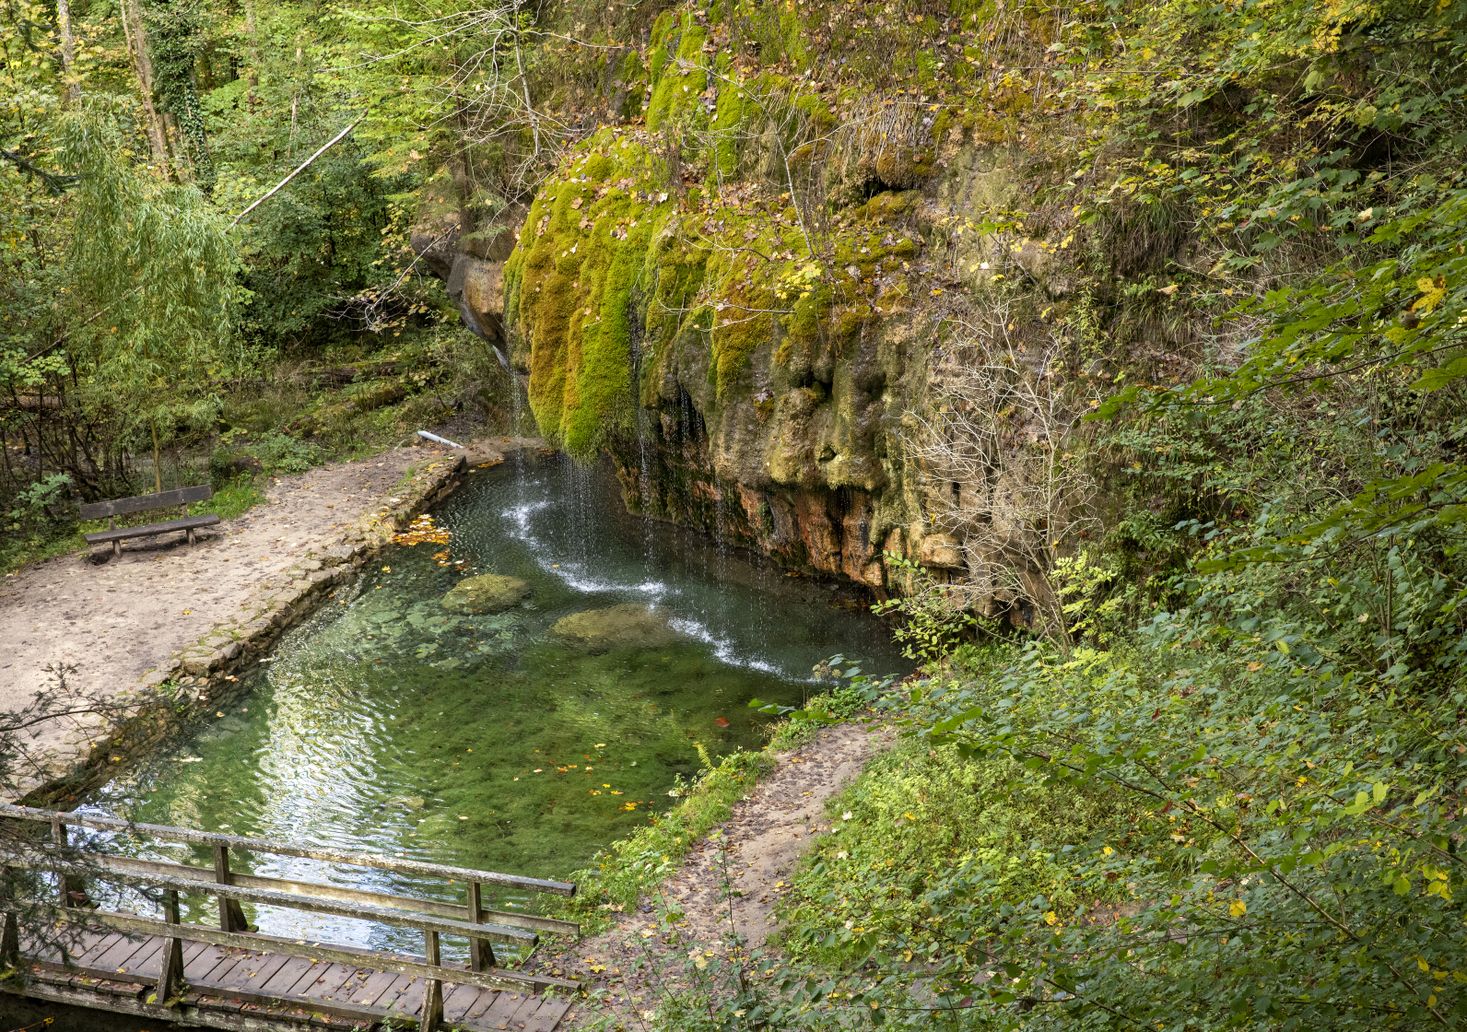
<point>486,593</point>
<point>630,625</point>
<point>762,330</point>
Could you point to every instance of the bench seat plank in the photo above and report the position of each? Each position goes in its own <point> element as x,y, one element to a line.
<point>122,533</point>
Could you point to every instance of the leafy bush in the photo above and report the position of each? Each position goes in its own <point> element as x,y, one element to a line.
<point>927,841</point>
<point>38,504</point>
<point>271,454</point>
<point>40,523</point>
<point>934,620</point>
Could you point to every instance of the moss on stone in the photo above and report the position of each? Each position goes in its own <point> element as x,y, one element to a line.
<point>887,206</point>
<point>679,71</point>
<point>732,114</point>
<point>486,593</point>
<point>621,270</point>
<point>570,287</point>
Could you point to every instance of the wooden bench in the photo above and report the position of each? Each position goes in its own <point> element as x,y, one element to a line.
<point>180,497</point>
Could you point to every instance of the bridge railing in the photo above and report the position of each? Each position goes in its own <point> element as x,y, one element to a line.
<point>470,920</point>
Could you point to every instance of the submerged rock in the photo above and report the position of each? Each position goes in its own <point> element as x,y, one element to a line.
<point>629,625</point>
<point>486,593</point>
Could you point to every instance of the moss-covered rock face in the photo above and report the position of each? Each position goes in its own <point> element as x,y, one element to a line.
<point>569,287</point>
<point>486,593</point>
<point>736,289</point>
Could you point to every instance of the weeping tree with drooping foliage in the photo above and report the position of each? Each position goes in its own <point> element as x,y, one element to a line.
<point>148,315</point>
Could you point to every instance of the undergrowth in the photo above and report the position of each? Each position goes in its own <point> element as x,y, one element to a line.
<point>633,867</point>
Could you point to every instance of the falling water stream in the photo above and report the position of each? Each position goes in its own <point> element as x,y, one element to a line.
<point>389,724</point>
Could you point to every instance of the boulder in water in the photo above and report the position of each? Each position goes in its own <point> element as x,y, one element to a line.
<point>486,593</point>
<point>629,625</point>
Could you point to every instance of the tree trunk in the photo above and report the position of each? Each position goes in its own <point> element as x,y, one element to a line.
<point>157,462</point>
<point>68,53</point>
<point>142,66</point>
<point>252,77</point>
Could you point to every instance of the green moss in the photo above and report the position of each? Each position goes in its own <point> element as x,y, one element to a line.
<point>570,287</point>
<point>887,206</point>
<point>611,274</point>
<point>633,77</point>
<point>679,72</point>
<point>731,116</point>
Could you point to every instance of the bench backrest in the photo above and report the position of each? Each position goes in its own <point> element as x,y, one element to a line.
<point>143,503</point>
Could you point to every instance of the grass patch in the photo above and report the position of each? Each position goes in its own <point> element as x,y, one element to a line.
<point>235,497</point>
<point>20,552</point>
<point>634,866</point>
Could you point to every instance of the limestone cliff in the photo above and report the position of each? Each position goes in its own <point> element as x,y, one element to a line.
<point>765,287</point>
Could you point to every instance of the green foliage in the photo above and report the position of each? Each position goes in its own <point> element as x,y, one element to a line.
<point>179,36</point>
<point>281,453</point>
<point>927,840</point>
<point>38,523</point>
<point>270,454</point>
<point>156,266</point>
<point>1329,207</point>
<point>1094,608</point>
<point>933,621</point>
<point>39,503</point>
<point>1299,766</point>
<point>235,497</point>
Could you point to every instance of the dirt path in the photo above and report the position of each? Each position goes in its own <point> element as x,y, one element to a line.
<point>122,623</point>
<point>731,882</point>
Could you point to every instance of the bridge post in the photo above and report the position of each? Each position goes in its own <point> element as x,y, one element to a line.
<point>431,1018</point>
<point>170,979</point>
<point>481,952</point>
<point>10,942</point>
<point>231,914</point>
<point>73,887</point>
<point>10,934</point>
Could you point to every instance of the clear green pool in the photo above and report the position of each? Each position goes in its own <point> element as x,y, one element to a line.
<point>387,723</point>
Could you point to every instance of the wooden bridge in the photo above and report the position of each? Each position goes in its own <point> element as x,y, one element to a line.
<point>58,945</point>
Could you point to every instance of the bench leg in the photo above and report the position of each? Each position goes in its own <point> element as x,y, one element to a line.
<point>116,549</point>
<point>190,533</point>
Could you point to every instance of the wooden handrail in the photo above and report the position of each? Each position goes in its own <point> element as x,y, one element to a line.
<point>79,864</point>
<point>398,865</point>
<point>204,879</point>
<point>60,857</point>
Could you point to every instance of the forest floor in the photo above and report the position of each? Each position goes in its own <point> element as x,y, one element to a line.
<point>117,624</point>
<point>724,896</point>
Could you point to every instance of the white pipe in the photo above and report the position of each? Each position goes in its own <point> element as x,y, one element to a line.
<point>439,440</point>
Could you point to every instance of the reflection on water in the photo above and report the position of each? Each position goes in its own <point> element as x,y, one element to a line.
<point>390,724</point>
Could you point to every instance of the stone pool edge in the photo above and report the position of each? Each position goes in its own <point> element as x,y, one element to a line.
<point>204,675</point>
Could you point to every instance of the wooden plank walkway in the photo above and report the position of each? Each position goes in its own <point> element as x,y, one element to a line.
<point>229,987</point>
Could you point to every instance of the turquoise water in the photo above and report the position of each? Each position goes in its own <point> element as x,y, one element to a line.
<point>389,724</point>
